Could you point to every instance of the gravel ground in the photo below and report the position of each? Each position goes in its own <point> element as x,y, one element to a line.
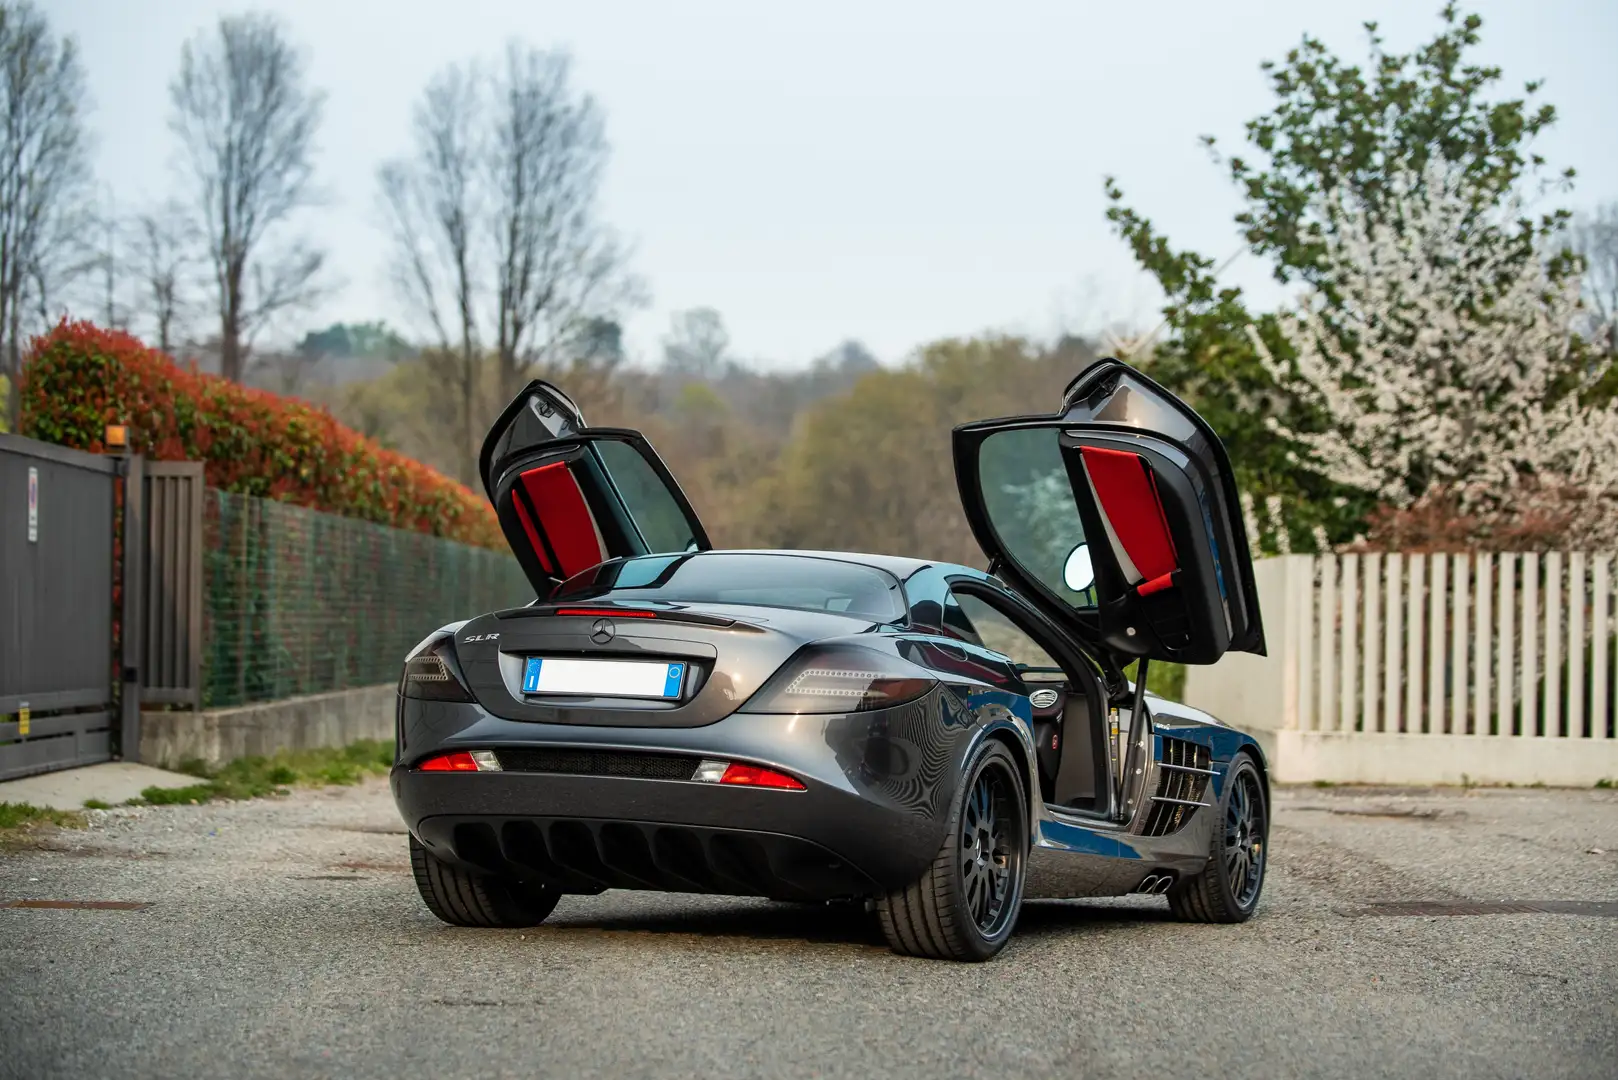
<point>284,938</point>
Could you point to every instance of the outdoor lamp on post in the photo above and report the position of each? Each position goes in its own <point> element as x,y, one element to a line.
<point>116,441</point>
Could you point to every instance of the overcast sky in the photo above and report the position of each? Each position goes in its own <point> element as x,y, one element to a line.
<point>890,171</point>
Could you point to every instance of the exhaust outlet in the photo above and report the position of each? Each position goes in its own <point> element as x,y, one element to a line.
<point>1155,884</point>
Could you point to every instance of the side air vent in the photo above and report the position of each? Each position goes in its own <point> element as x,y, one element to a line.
<point>1182,784</point>
<point>598,763</point>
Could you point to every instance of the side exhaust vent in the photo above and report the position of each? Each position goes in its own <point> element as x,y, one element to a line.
<point>1182,785</point>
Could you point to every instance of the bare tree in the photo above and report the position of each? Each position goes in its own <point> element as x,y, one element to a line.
<point>1595,238</point>
<point>557,266</point>
<point>696,344</point>
<point>65,257</point>
<point>493,218</point>
<point>432,204</point>
<point>599,344</point>
<point>44,168</point>
<point>104,235</point>
<point>247,119</point>
<point>163,252</point>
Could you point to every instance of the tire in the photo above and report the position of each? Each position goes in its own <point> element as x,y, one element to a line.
<point>1228,888</point>
<point>965,905</point>
<point>461,898</point>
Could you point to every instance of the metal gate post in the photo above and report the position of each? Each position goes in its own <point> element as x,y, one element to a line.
<point>131,617</point>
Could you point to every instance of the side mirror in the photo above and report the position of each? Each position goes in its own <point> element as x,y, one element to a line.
<point>1078,573</point>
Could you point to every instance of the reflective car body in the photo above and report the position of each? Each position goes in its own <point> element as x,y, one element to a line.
<point>876,782</point>
<point>738,778</point>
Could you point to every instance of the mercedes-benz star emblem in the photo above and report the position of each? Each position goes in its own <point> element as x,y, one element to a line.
<point>602,631</point>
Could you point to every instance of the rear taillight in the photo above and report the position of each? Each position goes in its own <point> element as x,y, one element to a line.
<point>842,678</point>
<point>739,774</point>
<point>462,761</point>
<point>433,674</point>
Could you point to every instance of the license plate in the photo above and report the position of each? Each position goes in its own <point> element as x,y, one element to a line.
<point>606,678</point>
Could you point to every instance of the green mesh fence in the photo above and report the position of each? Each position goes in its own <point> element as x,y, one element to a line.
<point>301,602</point>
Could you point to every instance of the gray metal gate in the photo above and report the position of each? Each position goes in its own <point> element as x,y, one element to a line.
<point>171,605</point>
<point>57,668</point>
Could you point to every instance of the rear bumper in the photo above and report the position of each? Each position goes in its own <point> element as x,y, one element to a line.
<point>868,819</point>
<point>585,834</point>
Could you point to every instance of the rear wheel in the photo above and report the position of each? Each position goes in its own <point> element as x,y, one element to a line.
<point>461,898</point>
<point>965,904</point>
<point>1228,888</point>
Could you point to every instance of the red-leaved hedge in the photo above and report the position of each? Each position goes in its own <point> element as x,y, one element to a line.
<point>78,378</point>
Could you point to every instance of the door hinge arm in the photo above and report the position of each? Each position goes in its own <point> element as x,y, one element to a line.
<point>1112,677</point>
<point>1138,737</point>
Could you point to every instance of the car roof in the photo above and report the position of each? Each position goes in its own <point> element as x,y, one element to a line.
<point>897,565</point>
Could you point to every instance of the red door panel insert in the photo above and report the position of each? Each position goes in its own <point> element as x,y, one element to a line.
<point>1127,491</point>
<point>533,535</point>
<point>565,517</point>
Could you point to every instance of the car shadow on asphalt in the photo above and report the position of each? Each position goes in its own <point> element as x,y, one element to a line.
<point>846,923</point>
<point>1041,917</point>
<point>822,923</point>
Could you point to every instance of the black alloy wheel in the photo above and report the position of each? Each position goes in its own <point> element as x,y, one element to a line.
<point>965,904</point>
<point>1244,839</point>
<point>1228,888</point>
<point>988,861</point>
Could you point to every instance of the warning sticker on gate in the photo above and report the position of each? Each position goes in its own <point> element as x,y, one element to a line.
<point>33,504</point>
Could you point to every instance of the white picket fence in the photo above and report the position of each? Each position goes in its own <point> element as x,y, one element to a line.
<point>1394,668</point>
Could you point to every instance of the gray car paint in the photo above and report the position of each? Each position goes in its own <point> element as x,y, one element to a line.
<point>881,783</point>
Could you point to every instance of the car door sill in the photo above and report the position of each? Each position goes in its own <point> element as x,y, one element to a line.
<point>1084,817</point>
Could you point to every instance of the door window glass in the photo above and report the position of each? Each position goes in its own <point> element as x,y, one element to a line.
<point>956,623</point>
<point>1029,502</point>
<point>1000,634</point>
<point>662,524</point>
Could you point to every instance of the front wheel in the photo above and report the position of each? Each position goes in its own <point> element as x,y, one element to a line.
<point>965,904</point>
<point>461,898</point>
<point>1227,889</point>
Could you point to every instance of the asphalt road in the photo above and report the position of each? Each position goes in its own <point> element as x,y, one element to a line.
<point>284,938</point>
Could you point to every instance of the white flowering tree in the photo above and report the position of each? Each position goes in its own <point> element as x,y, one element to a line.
<point>1438,349</point>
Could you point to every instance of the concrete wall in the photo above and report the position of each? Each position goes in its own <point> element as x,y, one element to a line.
<point>1354,757</point>
<point>218,735</point>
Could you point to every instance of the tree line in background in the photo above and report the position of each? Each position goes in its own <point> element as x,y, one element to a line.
<point>1445,377</point>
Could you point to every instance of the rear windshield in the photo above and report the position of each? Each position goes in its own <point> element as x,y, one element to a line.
<point>785,581</point>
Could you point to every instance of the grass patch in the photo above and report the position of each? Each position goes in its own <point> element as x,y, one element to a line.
<point>97,804</point>
<point>164,796</point>
<point>253,777</point>
<point>18,815</point>
<point>1604,784</point>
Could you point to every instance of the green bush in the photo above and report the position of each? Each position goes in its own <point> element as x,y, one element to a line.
<point>78,379</point>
